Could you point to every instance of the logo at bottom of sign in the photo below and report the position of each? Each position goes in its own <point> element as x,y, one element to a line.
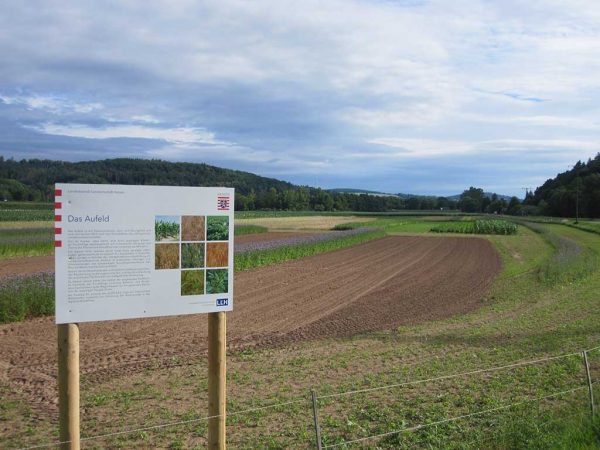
<point>222,301</point>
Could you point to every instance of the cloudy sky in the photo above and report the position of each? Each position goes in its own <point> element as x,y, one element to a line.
<point>416,96</point>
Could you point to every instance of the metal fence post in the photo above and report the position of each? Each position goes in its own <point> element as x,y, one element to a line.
<point>316,420</point>
<point>589,379</point>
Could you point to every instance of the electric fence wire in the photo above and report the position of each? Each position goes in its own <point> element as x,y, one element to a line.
<point>453,419</point>
<point>447,377</point>
<point>165,425</point>
<point>444,377</point>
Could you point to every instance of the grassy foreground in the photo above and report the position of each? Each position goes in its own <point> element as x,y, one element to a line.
<point>544,303</point>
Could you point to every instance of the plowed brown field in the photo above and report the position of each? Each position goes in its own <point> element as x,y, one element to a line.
<point>373,286</point>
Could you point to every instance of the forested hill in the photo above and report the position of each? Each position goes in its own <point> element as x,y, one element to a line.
<point>39,176</point>
<point>34,180</point>
<point>558,196</point>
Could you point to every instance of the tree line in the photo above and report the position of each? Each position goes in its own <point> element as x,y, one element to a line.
<point>571,193</point>
<point>33,180</point>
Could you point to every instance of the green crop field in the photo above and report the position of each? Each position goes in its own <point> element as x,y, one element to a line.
<point>478,226</point>
<point>16,240</point>
<point>241,230</point>
<point>26,212</point>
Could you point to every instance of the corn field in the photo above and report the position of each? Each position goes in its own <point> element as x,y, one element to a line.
<point>166,230</point>
<point>481,226</point>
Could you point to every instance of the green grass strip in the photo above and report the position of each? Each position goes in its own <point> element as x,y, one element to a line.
<point>25,215</point>
<point>241,230</point>
<point>251,260</point>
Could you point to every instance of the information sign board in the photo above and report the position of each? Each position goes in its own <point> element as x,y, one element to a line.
<point>125,252</point>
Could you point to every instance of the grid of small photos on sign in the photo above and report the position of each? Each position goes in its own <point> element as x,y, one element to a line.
<point>198,247</point>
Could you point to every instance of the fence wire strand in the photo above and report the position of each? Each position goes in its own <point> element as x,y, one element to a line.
<point>166,425</point>
<point>301,400</point>
<point>447,377</point>
<point>453,419</point>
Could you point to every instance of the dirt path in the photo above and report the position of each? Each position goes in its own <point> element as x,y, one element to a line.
<point>26,266</point>
<point>374,286</point>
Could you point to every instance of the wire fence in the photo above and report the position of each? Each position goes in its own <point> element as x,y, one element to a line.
<point>313,400</point>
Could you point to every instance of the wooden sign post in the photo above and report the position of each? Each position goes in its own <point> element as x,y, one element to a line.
<point>127,252</point>
<point>216,380</point>
<point>68,385</point>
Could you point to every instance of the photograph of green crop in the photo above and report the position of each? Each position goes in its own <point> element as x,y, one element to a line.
<point>192,282</point>
<point>166,228</point>
<point>166,256</point>
<point>217,281</point>
<point>192,255</point>
<point>217,228</point>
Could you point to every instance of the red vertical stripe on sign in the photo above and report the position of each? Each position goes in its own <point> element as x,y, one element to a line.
<point>58,218</point>
<point>57,230</point>
<point>58,243</point>
<point>57,192</point>
<point>57,205</point>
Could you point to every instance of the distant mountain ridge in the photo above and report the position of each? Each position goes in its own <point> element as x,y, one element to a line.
<point>486,194</point>
<point>455,197</point>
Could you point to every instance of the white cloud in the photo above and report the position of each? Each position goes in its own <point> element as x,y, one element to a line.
<point>55,105</point>
<point>146,118</point>
<point>179,135</point>
<point>425,148</point>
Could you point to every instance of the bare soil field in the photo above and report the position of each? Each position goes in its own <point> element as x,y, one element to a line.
<point>26,265</point>
<point>373,286</point>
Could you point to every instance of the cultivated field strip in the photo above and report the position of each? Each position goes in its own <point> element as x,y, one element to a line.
<point>28,265</point>
<point>377,285</point>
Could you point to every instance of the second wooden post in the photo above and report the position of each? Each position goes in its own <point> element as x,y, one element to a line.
<point>216,380</point>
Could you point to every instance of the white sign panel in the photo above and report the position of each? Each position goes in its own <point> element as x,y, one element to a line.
<point>123,252</point>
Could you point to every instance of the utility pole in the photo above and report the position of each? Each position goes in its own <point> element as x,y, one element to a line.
<point>577,200</point>
<point>524,199</point>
